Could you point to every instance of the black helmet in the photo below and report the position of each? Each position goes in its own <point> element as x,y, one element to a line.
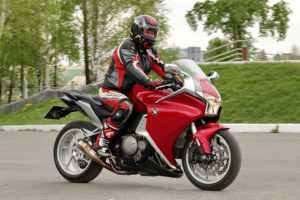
<point>144,30</point>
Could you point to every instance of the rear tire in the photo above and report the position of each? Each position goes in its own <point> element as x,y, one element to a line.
<point>231,174</point>
<point>91,171</point>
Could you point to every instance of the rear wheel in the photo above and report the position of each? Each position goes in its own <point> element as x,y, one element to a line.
<point>217,172</point>
<point>69,160</point>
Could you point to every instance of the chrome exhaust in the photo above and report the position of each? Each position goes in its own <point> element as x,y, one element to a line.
<point>91,153</point>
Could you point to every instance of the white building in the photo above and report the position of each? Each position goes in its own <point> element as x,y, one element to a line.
<point>193,53</point>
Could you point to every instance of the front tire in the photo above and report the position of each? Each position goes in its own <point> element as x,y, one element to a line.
<point>209,176</point>
<point>70,162</point>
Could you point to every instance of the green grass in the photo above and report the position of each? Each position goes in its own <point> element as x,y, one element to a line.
<point>34,114</point>
<point>252,93</point>
<point>259,93</point>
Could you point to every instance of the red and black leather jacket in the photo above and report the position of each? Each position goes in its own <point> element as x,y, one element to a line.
<point>130,65</point>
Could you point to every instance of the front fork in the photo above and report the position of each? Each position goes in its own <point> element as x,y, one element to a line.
<point>203,134</point>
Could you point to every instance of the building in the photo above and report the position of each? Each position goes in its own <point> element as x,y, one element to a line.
<point>193,53</point>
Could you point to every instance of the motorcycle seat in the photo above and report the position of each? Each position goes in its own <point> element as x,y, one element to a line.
<point>95,102</point>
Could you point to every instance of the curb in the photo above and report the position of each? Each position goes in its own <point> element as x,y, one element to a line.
<point>235,128</point>
<point>33,128</point>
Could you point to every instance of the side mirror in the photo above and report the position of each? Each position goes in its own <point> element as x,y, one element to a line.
<point>213,76</point>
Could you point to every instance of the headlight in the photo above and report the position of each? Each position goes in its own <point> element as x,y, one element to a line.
<point>213,104</point>
<point>212,107</point>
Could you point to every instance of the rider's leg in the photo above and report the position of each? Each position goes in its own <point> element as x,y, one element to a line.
<point>122,109</point>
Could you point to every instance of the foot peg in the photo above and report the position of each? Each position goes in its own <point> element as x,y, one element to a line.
<point>104,152</point>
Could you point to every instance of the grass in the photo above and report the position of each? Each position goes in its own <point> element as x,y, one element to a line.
<point>34,114</point>
<point>251,93</point>
<point>259,93</point>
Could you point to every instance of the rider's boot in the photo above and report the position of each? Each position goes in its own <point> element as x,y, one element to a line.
<point>103,140</point>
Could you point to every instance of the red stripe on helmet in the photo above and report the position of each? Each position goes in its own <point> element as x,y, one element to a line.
<point>151,20</point>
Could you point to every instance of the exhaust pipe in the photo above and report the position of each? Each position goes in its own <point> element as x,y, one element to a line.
<point>89,151</point>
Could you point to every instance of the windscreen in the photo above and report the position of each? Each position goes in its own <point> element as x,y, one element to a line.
<point>191,68</point>
<point>202,82</point>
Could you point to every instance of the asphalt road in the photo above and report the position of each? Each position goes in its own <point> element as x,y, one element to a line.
<point>270,170</point>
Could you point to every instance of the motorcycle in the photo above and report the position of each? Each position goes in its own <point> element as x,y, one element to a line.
<point>178,121</point>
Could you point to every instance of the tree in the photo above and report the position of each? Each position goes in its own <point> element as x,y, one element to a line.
<point>60,39</point>
<point>105,23</point>
<point>2,15</point>
<point>235,17</point>
<point>17,42</point>
<point>63,42</point>
<point>85,27</point>
<point>36,34</point>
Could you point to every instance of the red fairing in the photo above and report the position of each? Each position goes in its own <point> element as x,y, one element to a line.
<point>168,119</point>
<point>205,133</point>
<point>138,105</point>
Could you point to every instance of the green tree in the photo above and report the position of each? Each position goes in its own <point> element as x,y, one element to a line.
<point>36,34</point>
<point>16,44</point>
<point>3,9</point>
<point>235,17</point>
<point>105,23</point>
<point>63,40</point>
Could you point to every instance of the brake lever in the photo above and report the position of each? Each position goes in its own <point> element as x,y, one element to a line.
<point>178,79</point>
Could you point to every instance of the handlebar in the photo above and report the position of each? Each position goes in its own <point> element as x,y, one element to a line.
<point>164,86</point>
<point>173,82</point>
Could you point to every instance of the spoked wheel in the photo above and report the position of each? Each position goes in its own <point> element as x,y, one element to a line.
<point>217,171</point>
<point>69,160</point>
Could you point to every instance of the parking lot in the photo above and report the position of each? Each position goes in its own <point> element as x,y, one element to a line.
<point>270,170</point>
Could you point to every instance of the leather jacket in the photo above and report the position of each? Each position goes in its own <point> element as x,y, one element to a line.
<point>131,65</point>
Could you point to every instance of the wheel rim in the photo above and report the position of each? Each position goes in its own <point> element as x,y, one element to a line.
<point>216,170</point>
<point>70,158</point>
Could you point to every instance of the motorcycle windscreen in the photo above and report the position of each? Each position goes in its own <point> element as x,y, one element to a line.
<point>208,89</point>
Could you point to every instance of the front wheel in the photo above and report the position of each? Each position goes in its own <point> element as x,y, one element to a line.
<point>217,172</point>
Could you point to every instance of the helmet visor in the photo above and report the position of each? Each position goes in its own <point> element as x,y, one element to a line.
<point>150,33</point>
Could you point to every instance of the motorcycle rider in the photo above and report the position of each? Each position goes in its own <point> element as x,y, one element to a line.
<point>131,62</point>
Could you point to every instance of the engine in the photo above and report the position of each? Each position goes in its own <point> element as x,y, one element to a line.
<point>134,148</point>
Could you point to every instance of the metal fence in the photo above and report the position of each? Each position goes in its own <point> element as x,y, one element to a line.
<point>233,54</point>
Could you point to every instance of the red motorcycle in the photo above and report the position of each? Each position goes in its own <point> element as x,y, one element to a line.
<point>178,121</point>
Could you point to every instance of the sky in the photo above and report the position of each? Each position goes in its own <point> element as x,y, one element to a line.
<point>181,34</point>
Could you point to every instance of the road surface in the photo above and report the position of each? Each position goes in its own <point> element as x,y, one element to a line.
<point>270,170</point>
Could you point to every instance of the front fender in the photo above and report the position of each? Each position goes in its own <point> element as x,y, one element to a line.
<point>204,134</point>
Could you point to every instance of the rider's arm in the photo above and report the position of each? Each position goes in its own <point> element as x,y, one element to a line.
<point>157,65</point>
<point>131,62</point>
